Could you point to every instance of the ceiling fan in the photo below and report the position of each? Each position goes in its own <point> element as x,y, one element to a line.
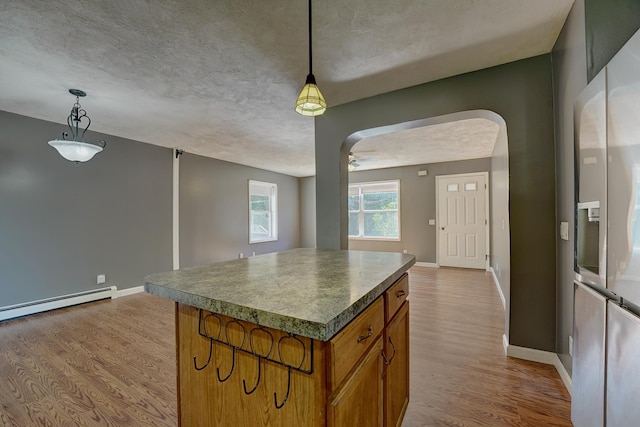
<point>354,161</point>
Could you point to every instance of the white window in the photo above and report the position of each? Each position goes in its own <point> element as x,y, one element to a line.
<point>263,211</point>
<point>374,210</point>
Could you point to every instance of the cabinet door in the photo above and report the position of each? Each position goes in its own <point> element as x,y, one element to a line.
<point>358,402</point>
<point>396,377</point>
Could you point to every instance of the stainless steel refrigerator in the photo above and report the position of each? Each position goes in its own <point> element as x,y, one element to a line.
<point>606,337</point>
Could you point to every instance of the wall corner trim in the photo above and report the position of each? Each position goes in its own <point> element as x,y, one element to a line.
<point>502,298</point>
<point>427,264</point>
<point>128,291</point>
<point>546,357</point>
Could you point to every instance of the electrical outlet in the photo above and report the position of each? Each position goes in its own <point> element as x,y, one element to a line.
<point>570,345</point>
<point>101,279</point>
<point>241,255</point>
<point>254,253</point>
<point>404,251</point>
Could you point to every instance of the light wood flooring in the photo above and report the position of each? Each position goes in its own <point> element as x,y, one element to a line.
<point>113,362</point>
<point>459,373</point>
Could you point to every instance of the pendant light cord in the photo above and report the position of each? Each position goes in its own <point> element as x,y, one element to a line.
<point>310,60</point>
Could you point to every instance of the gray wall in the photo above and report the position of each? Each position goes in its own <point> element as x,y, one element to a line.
<point>62,223</point>
<point>500,224</point>
<point>418,204</point>
<point>307,212</point>
<point>593,34</point>
<point>214,210</point>
<point>521,92</point>
<point>609,24</point>
<point>570,78</point>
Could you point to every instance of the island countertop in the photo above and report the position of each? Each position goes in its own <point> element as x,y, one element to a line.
<point>308,292</point>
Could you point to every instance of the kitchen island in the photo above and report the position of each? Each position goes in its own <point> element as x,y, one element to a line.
<point>305,337</point>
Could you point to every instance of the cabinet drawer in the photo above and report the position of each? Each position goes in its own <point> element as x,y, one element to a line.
<point>395,296</point>
<point>351,343</point>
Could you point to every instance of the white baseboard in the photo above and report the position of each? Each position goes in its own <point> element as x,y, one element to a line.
<point>128,291</point>
<point>39,306</point>
<point>564,375</point>
<point>497,283</point>
<point>531,354</point>
<point>546,357</point>
<point>427,264</point>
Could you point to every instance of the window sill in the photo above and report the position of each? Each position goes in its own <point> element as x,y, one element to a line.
<point>251,242</point>
<point>376,239</point>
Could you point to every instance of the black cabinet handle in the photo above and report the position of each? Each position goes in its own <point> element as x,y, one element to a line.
<point>388,361</point>
<point>364,337</point>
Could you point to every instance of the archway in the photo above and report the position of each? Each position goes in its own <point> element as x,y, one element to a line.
<point>499,185</point>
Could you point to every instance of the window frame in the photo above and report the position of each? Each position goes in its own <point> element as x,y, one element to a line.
<point>361,211</point>
<point>261,188</point>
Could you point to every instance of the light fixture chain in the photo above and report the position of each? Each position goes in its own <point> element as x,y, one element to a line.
<point>75,118</point>
<point>310,42</point>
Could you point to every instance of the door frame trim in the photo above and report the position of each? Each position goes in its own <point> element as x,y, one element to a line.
<point>486,208</point>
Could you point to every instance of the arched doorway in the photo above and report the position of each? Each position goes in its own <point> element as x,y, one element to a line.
<point>499,177</point>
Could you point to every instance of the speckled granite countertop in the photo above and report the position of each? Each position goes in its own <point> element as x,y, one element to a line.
<point>309,292</point>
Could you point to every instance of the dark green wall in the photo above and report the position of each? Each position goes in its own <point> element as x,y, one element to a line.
<point>521,92</point>
<point>609,24</point>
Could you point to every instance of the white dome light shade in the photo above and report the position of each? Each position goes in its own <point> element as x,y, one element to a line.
<point>75,151</point>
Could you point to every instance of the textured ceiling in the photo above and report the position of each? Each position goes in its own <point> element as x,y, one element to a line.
<point>219,78</point>
<point>446,142</point>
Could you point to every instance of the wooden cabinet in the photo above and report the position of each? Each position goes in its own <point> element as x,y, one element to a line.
<point>358,401</point>
<point>395,296</point>
<point>353,385</point>
<point>396,378</point>
<point>358,378</point>
<point>351,343</point>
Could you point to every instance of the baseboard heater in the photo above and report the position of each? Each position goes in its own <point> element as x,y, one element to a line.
<point>39,306</point>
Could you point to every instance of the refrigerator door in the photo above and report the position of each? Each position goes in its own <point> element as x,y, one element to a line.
<point>590,112</point>
<point>587,388</point>
<point>623,183</point>
<point>623,367</point>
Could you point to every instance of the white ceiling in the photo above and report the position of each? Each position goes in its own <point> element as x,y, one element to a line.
<point>219,78</point>
<point>445,142</point>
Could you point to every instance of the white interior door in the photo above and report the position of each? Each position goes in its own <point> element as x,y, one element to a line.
<point>462,220</point>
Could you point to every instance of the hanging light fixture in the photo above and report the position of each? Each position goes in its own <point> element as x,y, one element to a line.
<point>353,163</point>
<point>77,150</point>
<point>310,101</point>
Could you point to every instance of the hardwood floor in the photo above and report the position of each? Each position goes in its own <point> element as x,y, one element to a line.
<point>459,373</point>
<point>105,363</point>
<point>113,362</point>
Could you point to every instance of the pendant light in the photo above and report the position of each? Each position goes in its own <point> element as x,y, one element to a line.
<point>77,150</point>
<point>310,102</point>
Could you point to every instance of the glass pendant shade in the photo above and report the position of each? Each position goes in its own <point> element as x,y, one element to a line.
<point>75,151</point>
<point>310,101</point>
